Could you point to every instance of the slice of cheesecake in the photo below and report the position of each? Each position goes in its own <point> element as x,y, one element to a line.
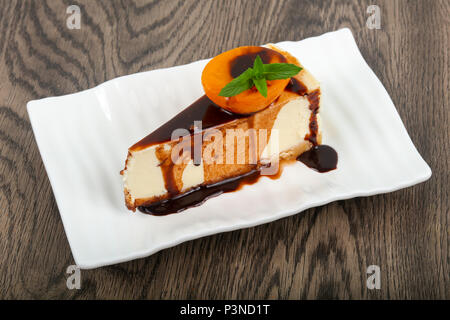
<point>223,145</point>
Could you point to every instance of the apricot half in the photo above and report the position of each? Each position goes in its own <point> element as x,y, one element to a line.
<point>229,65</point>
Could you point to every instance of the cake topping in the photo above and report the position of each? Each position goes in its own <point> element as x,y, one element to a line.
<point>245,80</point>
<point>258,77</point>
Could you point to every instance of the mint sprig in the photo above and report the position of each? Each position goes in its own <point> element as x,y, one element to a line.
<point>258,76</point>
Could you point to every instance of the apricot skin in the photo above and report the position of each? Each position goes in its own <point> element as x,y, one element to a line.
<point>218,73</point>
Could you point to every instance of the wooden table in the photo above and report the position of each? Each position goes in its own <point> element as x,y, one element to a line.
<point>321,253</point>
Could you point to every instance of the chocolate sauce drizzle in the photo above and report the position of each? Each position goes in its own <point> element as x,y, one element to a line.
<point>322,158</point>
<point>169,177</point>
<point>297,87</point>
<point>314,100</point>
<point>199,195</point>
<point>203,110</point>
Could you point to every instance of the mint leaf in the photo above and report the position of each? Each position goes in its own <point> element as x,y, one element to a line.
<point>261,85</point>
<point>258,68</point>
<point>238,85</point>
<point>258,76</point>
<point>276,71</point>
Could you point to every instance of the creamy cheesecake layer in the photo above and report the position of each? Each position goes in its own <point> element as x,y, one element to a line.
<point>143,177</point>
<point>292,124</point>
<point>193,175</point>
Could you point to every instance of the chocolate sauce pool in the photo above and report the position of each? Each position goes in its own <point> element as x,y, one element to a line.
<point>322,158</point>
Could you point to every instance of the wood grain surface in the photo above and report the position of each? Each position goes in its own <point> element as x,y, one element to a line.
<point>320,253</point>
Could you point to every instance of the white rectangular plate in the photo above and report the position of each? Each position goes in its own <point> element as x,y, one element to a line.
<point>83,139</point>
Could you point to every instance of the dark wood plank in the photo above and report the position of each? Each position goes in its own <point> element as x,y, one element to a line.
<point>321,253</point>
